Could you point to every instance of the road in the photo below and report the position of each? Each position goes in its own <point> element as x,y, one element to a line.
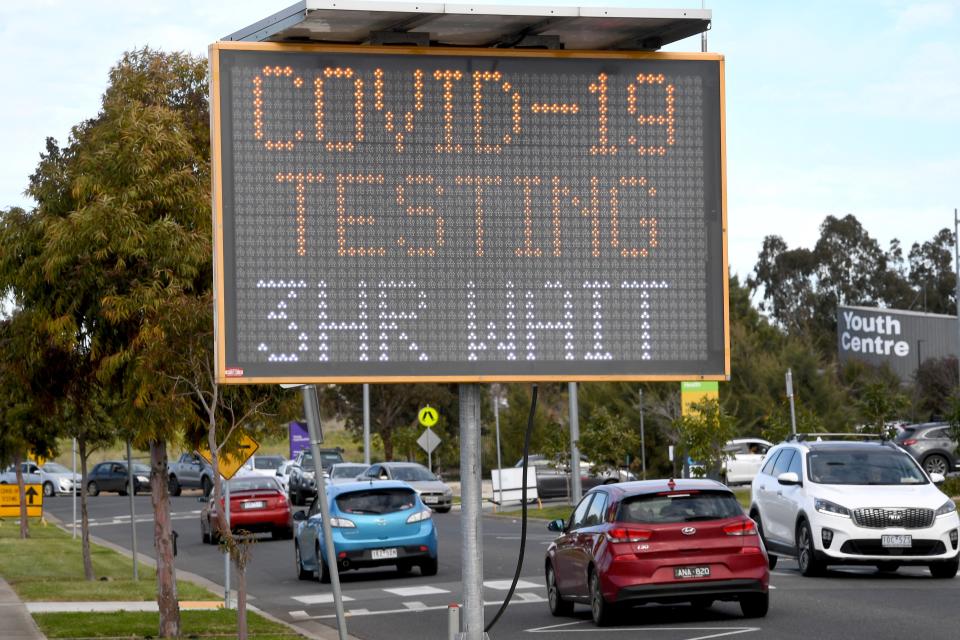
<point>852,603</point>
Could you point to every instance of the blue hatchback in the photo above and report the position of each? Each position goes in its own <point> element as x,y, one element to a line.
<point>373,524</point>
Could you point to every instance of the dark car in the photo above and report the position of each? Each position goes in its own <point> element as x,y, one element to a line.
<point>930,444</point>
<point>112,476</point>
<point>302,483</point>
<point>257,504</point>
<point>553,479</point>
<point>656,541</point>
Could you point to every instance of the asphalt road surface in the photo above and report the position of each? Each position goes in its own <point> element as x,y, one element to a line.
<point>848,604</point>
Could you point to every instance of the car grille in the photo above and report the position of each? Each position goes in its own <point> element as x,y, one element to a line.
<point>907,518</point>
<point>876,548</point>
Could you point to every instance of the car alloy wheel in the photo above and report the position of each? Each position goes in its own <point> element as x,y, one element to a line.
<point>48,489</point>
<point>600,609</point>
<point>936,464</point>
<point>806,554</point>
<point>302,574</point>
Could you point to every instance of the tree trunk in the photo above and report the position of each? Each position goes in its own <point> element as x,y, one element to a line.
<point>24,524</point>
<point>387,436</point>
<point>84,515</point>
<point>163,541</point>
<point>241,601</point>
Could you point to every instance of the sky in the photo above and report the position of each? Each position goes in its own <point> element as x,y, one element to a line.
<point>832,107</point>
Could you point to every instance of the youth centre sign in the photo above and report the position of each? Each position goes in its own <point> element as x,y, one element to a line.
<point>394,214</point>
<point>900,339</point>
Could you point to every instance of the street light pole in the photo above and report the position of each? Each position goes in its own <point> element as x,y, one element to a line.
<point>643,441</point>
<point>495,393</point>
<point>956,264</point>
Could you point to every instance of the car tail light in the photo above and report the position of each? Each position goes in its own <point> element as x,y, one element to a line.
<point>627,534</point>
<point>743,528</point>
<point>419,516</point>
<point>342,523</point>
<point>909,442</point>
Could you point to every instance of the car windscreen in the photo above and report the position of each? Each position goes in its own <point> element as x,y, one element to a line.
<point>880,467</point>
<point>686,506</point>
<point>350,471</point>
<point>53,467</point>
<point>254,484</point>
<point>141,468</point>
<point>267,463</point>
<point>326,459</point>
<point>412,474</point>
<point>376,501</point>
<point>906,434</point>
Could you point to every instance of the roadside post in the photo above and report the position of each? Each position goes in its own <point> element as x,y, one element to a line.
<point>73,497</point>
<point>793,412</point>
<point>133,517</point>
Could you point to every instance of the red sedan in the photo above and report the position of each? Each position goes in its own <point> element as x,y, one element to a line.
<point>656,541</point>
<point>257,504</point>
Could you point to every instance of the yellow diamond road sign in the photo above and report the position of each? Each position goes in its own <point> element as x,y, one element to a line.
<point>230,462</point>
<point>10,500</point>
<point>428,416</point>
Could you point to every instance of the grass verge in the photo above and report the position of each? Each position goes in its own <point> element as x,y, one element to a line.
<point>48,567</point>
<point>129,624</point>
<point>549,512</point>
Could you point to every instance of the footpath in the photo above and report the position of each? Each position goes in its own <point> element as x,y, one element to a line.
<point>18,624</point>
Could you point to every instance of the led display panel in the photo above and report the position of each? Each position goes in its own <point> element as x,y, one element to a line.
<point>401,214</point>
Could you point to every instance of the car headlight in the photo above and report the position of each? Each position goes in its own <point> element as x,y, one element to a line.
<point>825,506</point>
<point>143,479</point>
<point>448,491</point>
<point>947,508</point>
<point>342,523</point>
<point>419,516</point>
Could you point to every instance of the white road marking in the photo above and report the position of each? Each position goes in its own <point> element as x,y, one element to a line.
<point>526,596</point>
<point>415,591</point>
<point>320,598</point>
<point>722,631</point>
<point>415,606</point>
<point>299,615</point>
<point>503,585</point>
<point>367,612</point>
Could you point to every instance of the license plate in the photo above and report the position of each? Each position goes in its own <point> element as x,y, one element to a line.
<point>691,572</point>
<point>897,542</point>
<point>431,499</point>
<point>256,504</point>
<point>383,554</point>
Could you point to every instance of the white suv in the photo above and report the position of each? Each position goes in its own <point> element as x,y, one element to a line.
<point>853,503</point>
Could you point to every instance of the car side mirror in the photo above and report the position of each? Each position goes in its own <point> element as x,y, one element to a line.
<point>557,525</point>
<point>937,478</point>
<point>788,478</point>
<point>300,516</point>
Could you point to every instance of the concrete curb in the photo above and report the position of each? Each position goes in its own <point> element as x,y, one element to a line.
<point>315,631</point>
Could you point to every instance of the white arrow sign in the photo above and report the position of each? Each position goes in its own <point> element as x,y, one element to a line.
<point>429,440</point>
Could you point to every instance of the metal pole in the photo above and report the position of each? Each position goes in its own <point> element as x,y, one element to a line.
<point>470,522</point>
<point>643,441</point>
<point>74,496</point>
<point>703,35</point>
<point>793,413</point>
<point>366,424</point>
<point>575,489</point>
<point>495,389</point>
<point>133,519</point>
<point>453,621</point>
<point>226,554</point>
<point>956,264</point>
<point>311,409</point>
<point>430,460</point>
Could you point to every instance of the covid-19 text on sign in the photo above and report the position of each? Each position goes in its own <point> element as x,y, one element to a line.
<point>473,215</point>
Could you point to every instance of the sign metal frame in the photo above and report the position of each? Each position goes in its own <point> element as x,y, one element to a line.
<point>226,375</point>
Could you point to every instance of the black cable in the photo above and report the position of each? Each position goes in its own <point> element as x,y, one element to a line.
<point>523,521</point>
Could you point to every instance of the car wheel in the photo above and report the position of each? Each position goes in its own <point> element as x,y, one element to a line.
<point>282,533</point>
<point>810,565</point>
<point>771,559</point>
<point>174,486</point>
<point>324,573</point>
<point>93,489</point>
<point>429,567</point>
<point>403,568</point>
<point>601,611</point>
<point>48,489</point>
<point>302,574</point>
<point>558,606</point>
<point>204,535</point>
<point>946,569</point>
<point>936,464</point>
<point>701,603</point>
<point>755,605</point>
<point>888,567</point>
<point>206,486</point>
<point>443,509</point>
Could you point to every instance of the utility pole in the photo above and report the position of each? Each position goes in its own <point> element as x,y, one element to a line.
<point>576,491</point>
<point>366,424</point>
<point>956,264</point>
<point>643,441</point>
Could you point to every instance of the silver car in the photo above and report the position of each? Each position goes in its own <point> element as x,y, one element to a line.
<point>433,492</point>
<point>55,478</point>
<point>344,472</point>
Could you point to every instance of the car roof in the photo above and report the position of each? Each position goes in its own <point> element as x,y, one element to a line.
<point>926,425</point>
<point>843,445</point>
<point>640,487</point>
<point>347,487</point>
<point>400,464</point>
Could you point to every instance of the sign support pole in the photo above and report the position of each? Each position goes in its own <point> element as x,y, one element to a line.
<point>471,497</point>
<point>366,424</point>
<point>793,413</point>
<point>495,389</point>
<point>311,410</point>
<point>575,488</point>
<point>956,264</point>
<point>226,554</point>
<point>74,492</point>
<point>133,520</point>
<point>643,441</point>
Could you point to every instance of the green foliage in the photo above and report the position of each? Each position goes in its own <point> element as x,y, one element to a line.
<point>879,404</point>
<point>703,433</point>
<point>607,439</point>
<point>953,418</point>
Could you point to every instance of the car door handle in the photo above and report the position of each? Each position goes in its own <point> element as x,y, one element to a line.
<point>780,493</point>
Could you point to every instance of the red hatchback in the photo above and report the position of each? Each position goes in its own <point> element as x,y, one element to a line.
<point>656,541</point>
<point>257,504</point>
